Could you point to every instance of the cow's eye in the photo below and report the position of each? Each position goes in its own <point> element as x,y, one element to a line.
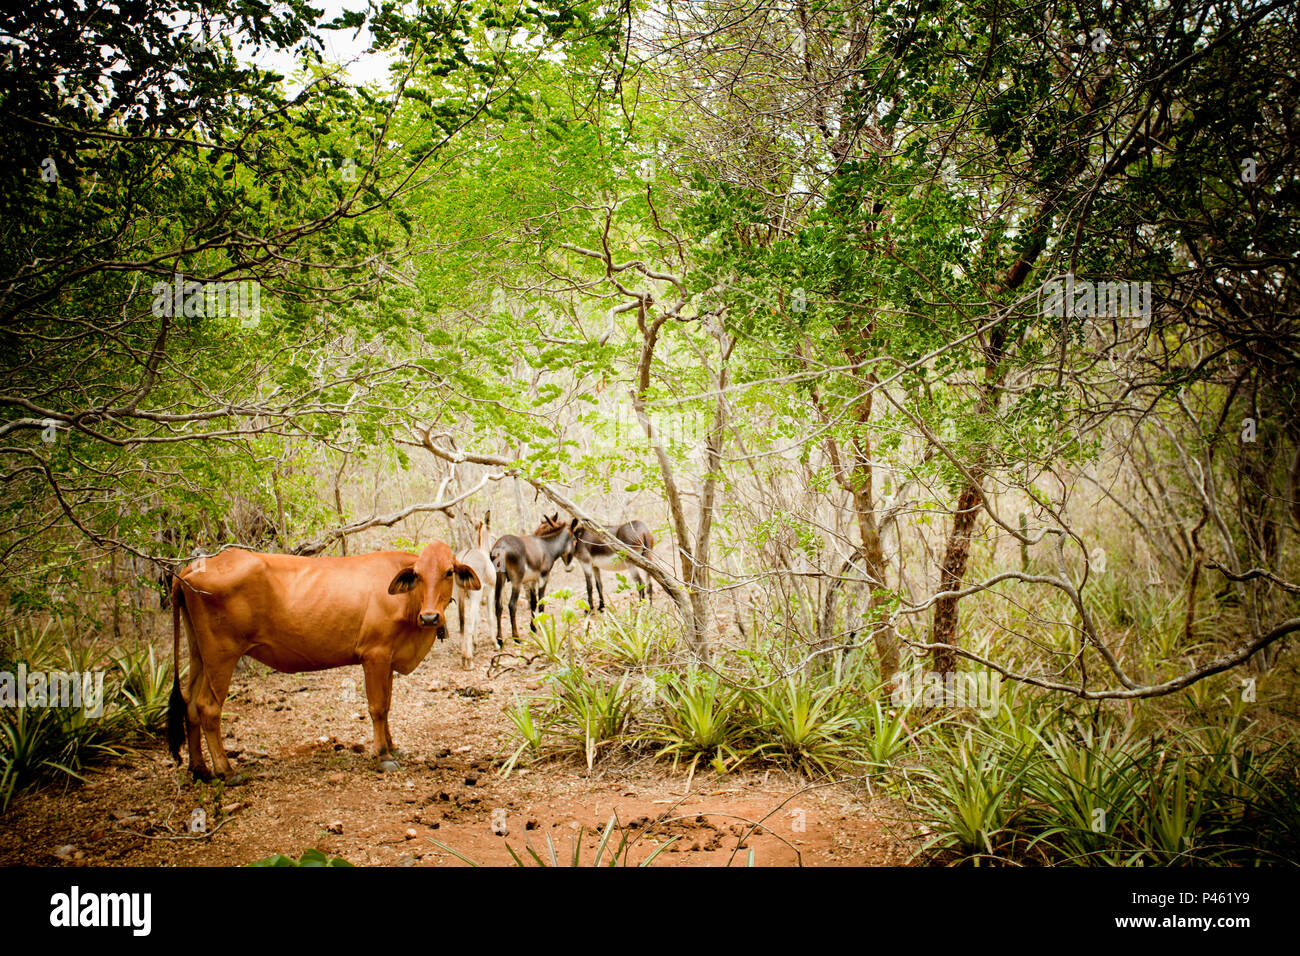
<point>450,572</point>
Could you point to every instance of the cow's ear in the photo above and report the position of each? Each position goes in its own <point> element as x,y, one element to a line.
<point>404,581</point>
<point>467,577</point>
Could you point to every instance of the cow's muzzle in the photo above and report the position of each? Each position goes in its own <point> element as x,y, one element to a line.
<point>432,620</point>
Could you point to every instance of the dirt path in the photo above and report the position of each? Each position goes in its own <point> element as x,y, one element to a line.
<point>303,740</point>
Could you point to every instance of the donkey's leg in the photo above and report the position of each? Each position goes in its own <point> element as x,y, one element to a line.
<point>591,597</point>
<point>477,599</point>
<point>496,604</point>
<point>514,609</point>
<point>532,609</point>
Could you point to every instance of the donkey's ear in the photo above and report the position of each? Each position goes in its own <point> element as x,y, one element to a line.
<point>467,577</point>
<point>574,525</point>
<point>487,519</point>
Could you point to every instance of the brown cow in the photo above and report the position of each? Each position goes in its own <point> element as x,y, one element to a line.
<point>380,610</point>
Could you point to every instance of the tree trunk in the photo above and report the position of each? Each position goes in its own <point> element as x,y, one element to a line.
<point>952,570</point>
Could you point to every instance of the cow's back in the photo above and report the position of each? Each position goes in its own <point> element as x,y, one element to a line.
<point>295,613</point>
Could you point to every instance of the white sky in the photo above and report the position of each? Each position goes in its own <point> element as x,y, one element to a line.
<point>342,47</point>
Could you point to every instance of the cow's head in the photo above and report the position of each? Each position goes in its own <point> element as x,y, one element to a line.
<point>429,583</point>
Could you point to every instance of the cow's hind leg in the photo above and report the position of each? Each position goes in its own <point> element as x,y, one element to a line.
<point>193,729</point>
<point>212,692</point>
<point>379,693</point>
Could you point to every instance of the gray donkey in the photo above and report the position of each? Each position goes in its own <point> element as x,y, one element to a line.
<point>526,562</point>
<point>594,555</point>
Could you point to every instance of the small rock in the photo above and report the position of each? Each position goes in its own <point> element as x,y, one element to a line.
<point>358,748</point>
<point>97,833</point>
<point>356,716</point>
<point>335,826</point>
<point>531,825</point>
<point>229,808</point>
<point>335,778</point>
<point>463,750</point>
<point>323,738</point>
<point>65,852</point>
<point>411,833</point>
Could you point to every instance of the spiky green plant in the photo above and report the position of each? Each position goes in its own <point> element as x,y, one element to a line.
<point>618,853</point>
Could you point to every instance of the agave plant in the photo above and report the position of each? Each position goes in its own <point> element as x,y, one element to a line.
<point>591,711</point>
<point>698,717</point>
<point>970,797</point>
<point>812,728</point>
<point>619,853</point>
<point>527,728</point>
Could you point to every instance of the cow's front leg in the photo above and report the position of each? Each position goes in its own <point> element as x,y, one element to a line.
<point>379,695</point>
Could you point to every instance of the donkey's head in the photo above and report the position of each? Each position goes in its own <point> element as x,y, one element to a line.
<point>552,526</point>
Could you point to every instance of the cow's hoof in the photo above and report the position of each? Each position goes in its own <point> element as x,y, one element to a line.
<point>236,780</point>
<point>388,765</point>
<point>467,663</point>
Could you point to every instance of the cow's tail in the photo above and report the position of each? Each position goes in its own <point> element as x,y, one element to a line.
<point>177,719</point>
